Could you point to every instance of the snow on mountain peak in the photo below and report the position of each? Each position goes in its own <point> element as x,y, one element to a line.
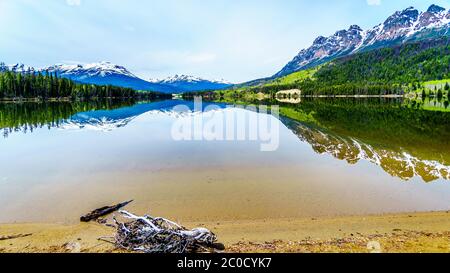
<point>191,83</point>
<point>186,79</point>
<point>402,26</point>
<point>182,78</point>
<point>101,69</point>
<point>401,19</point>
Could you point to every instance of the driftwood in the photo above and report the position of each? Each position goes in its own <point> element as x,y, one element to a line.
<point>94,215</point>
<point>4,238</point>
<point>158,235</point>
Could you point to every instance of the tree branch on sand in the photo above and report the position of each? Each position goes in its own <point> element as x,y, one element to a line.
<point>158,235</point>
<point>94,215</point>
<point>10,237</point>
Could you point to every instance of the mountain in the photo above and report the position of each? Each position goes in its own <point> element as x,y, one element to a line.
<point>105,73</point>
<point>401,27</point>
<point>191,83</point>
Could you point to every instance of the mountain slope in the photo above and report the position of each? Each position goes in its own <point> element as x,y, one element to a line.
<point>105,73</point>
<point>367,72</point>
<point>384,71</point>
<point>401,27</point>
<point>191,83</point>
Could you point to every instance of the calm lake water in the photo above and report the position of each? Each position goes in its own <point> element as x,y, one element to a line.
<point>335,157</point>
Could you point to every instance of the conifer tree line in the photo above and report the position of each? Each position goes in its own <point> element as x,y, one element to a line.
<point>30,85</point>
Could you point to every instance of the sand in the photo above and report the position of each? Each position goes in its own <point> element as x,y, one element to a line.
<point>414,232</point>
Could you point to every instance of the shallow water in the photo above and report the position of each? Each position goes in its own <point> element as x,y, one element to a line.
<point>61,160</point>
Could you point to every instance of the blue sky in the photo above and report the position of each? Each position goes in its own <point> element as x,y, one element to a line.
<point>237,40</point>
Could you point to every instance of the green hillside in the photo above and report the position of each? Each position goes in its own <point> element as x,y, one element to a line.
<point>384,71</point>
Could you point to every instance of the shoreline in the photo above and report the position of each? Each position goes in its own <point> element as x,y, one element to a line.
<point>355,96</point>
<point>406,232</point>
<point>59,99</point>
<point>177,96</point>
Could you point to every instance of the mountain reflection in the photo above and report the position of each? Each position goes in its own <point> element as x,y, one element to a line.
<point>101,115</point>
<point>405,142</point>
<point>399,164</point>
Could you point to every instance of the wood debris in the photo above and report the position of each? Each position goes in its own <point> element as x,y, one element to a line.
<point>94,215</point>
<point>10,237</point>
<point>158,235</point>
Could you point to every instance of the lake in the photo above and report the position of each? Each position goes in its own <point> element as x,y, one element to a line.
<point>59,160</point>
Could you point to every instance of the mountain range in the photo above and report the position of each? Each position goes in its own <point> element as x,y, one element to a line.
<point>401,27</point>
<point>191,83</point>
<point>106,73</point>
<point>404,26</point>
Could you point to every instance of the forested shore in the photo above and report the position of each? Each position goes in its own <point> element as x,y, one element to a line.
<point>48,86</point>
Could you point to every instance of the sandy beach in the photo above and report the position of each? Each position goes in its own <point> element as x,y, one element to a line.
<point>393,233</point>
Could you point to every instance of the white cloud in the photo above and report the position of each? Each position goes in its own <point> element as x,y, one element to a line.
<point>73,2</point>
<point>373,2</point>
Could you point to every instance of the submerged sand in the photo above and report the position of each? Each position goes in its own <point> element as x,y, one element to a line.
<point>413,232</point>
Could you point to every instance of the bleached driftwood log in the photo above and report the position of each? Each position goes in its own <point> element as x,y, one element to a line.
<point>158,235</point>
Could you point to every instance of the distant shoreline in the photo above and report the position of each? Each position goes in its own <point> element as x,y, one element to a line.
<point>68,99</point>
<point>354,96</point>
<point>16,100</point>
<point>62,99</point>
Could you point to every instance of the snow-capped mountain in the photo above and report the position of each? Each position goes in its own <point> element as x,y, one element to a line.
<point>101,69</point>
<point>191,83</point>
<point>401,27</point>
<point>105,73</point>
